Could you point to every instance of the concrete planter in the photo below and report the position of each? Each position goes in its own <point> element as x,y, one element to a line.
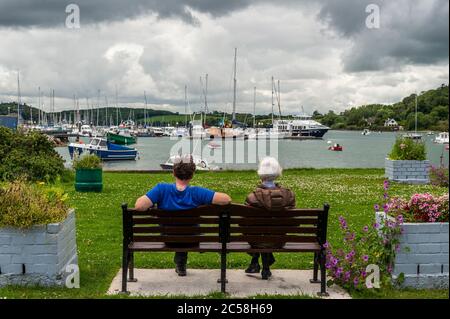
<point>39,255</point>
<point>411,172</point>
<point>423,255</point>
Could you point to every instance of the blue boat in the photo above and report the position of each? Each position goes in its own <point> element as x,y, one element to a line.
<point>103,149</point>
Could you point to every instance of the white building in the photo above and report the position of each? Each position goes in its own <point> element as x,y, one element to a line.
<point>390,123</point>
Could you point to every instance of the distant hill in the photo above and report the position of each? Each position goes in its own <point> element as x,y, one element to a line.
<point>432,114</point>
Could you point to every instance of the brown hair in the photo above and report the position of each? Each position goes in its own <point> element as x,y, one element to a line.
<point>184,168</point>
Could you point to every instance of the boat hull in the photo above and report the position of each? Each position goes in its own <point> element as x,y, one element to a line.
<point>105,155</point>
<point>120,139</point>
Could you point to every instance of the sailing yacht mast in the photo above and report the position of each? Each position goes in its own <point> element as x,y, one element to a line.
<point>18,98</point>
<point>415,127</point>
<point>272,100</point>
<point>279,98</point>
<point>39,106</point>
<point>117,109</point>
<point>234,86</point>
<point>185,106</point>
<point>145,109</point>
<point>98,106</point>
<point>254,106</point>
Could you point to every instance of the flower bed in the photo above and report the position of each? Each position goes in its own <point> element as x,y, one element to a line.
<point>407,162</point>
<point>422,260</point>
<point>37,235</point>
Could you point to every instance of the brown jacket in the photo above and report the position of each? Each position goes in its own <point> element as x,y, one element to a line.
<point>271,198</point>
<point>278,198</point>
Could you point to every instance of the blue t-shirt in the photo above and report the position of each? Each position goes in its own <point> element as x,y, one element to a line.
<point>168,197</point>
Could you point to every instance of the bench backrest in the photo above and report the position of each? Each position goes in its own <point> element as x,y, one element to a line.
<point>255,225</point>
<point>187,226</point>
<point>231,223</point>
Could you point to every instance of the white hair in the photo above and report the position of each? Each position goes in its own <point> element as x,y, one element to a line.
<point>269,169</point>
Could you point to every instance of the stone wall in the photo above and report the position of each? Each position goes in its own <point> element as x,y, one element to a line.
<point>39,255</point>
<point>423,257</point>
<point>413,172</point>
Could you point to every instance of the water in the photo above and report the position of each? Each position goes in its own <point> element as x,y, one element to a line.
<point>359,152</point>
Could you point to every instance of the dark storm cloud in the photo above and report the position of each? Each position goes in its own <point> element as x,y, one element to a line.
<point>411,32</point>
<point>24,13</point>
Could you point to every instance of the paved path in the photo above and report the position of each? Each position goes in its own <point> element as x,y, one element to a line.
<point>165,282</point>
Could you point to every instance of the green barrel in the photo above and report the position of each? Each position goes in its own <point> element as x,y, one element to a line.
<point>89,180</point>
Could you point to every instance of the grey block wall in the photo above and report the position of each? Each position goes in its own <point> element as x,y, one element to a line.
<point>39,255</point>
<point>412,172</point>
<point>423,257</point>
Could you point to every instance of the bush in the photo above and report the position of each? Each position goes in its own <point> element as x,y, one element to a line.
<point>23,205</point>
<point>408,149</point>
<point>28,155</point>
<point>87,161</point>
<point>439,176</point>
<point>421,208</point>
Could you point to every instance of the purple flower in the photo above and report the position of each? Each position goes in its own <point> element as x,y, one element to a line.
<point>376,225</point>
<point>386,185</point>
<point>365,229</point>
<point>400,219</point>
<point>376,207</point>
<point>356,281</point>
<point>347,275</point>
<point>326,245</point>
<point>365,258</point>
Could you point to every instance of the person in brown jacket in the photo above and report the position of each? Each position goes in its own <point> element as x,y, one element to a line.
<point>272,196</point>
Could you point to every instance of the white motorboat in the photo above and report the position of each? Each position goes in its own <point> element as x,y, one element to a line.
<point>442,138</point>
<point>201,164</point>
<point>365,132</point>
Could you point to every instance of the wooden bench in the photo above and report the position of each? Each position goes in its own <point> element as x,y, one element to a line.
<point>225,229</point>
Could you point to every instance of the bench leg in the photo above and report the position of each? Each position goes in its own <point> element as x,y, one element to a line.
<point>131,267</point>
<point>124,271</point>
<point>323,276</point>
<point>223,271</point>
<point>316,269</point>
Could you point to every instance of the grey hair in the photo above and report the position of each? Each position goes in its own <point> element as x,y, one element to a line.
<point>269,169</point>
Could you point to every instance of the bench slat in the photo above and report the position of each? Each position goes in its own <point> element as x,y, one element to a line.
<point>273,230</point>
<point>176,239</point>
<point>249,221</point>
<point>174,230</point>
<point>174,220</point>
<point>255,212</point>
<point>273,239</point>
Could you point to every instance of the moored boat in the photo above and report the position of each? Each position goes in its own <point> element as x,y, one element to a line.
<point>121,138</point>
<point>103,149</point>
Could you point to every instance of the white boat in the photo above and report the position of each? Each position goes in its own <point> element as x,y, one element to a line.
<point>301,125</point>
<point>442,138</point>
<point>180,132</point>
<point>365,132</point>
<point>413,136</point>
<point>201,164</point>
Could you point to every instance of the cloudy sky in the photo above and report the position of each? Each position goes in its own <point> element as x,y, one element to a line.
<point>321,51</point>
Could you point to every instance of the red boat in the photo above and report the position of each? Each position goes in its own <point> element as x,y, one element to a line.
<point>336,148</point>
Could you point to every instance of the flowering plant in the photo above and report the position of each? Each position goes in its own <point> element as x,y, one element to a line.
<point>374,244</point>
<point>439,176</point>
<point>425,208</point>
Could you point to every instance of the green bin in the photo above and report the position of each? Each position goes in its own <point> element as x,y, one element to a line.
<point>89,180</point>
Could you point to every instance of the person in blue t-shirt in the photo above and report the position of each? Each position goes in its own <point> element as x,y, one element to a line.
<point>180,196</point>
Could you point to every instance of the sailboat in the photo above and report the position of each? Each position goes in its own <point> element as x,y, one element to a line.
<point>415,135</point>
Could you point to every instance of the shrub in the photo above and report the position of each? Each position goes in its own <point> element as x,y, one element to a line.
<point>408,149</point>
<point>28,155</point>
<point>87,161</point>
<point>376,244</point>
<point>439,176</point>
<point>23,205</point>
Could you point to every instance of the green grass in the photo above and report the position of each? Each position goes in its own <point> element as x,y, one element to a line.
<point>350,193</point>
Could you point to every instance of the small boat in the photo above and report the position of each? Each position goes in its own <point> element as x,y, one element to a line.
<point>430,133</point>
<point>413,136</point>
<point>200,164</point>
<point>123,137</point>
<point>442,138</point>
<point>103,149</point>
<point>365,132</point>
<point>336,148</point>
<point>213,145</point>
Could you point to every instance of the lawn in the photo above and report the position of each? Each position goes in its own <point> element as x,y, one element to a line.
<point>350,193</point>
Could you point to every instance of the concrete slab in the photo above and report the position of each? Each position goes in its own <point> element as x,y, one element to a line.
<point>198,282</point>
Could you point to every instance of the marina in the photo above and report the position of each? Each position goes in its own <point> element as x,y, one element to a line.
<point>360,151</point>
